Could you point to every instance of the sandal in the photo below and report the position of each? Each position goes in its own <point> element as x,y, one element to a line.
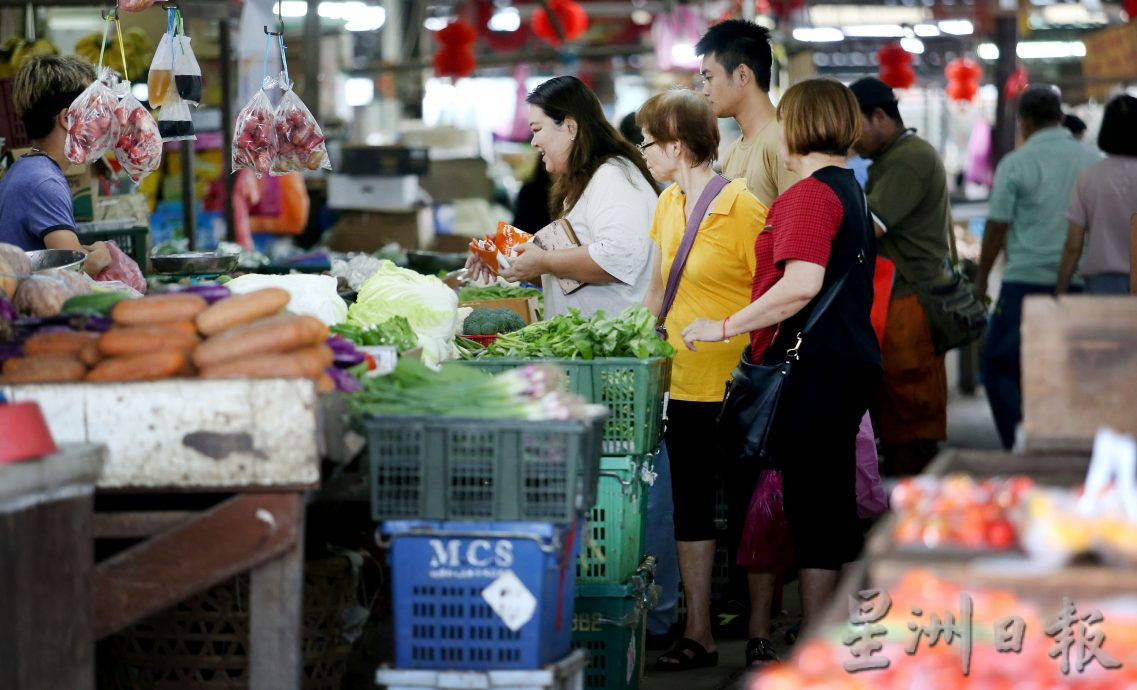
<point>759,652</point>
<point>677,659</point>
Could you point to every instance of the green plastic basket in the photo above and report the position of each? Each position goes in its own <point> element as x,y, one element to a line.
<point>609,622</point>
<point>447,468</point>
<point>614,541</point>
<point>632,389</point>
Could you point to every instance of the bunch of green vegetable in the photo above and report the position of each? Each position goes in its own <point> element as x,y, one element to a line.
<point>571,335</point>
<point>535,392</point>
<point>495,292</point>
<point>395,331</point>
<point>490,320</point>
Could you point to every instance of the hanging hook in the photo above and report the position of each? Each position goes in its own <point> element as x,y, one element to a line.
<point>171,5</point>
<point>272,33</point>
<point>111,14</point>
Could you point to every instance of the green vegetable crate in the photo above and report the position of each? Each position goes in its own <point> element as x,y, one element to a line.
<point>609,621</point>
<point>449,468</point>
<point>632,389</point>
<point>614,541</point>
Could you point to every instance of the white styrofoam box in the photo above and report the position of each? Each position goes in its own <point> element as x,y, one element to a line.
<point>358,193</point>
<point>189,432</point>
<point>566,674</point>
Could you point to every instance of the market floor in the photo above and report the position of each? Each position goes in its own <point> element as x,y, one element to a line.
<point>969,426</point>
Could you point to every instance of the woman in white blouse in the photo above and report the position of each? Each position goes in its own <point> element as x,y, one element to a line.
<point>602,186</point>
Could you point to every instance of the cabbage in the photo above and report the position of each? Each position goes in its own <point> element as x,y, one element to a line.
<point>424,301</point>
<point>314,295</point>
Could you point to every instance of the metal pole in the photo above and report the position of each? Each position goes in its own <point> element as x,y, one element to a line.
<point>311,92</point>
<point>225,45</point>
<point>1006,38</point>
<point>187,193</point>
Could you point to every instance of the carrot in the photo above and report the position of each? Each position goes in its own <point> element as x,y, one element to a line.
<point>274,335</point>
<point>325,384</point>
<point>90,354</point>
<point>157,309</point>
<point>138,339</point>
<point>147,366</point>
<point>43,369</point>
<point>61,342</point>
<point>241,309</point>
<point>308,362</point>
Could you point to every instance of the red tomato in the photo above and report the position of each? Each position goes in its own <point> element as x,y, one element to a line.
<point>1000,534</point>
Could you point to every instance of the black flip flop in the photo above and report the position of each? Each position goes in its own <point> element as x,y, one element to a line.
<point>759,652</point>
<point>681,661</point>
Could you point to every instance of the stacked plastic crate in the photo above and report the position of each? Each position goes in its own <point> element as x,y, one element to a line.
<point>613,587</point>
<point>484,522</point>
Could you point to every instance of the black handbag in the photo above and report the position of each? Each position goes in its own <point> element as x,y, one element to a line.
<point>753,392</point>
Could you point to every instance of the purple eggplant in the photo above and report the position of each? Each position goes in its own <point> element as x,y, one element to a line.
<point>344,380</point>
<point>210,292</point>
<point>7,311</point>
<point>345,352</point>
<point>11,351</point>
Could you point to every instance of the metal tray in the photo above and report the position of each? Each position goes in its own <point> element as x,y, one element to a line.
<point>57,260</point>
<point>196,263</point>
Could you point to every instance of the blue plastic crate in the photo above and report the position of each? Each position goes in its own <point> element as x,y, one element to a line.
<point>441,572</point>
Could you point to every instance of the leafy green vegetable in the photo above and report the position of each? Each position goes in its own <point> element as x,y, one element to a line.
<point>490,320</point>
<point>395,331</point>
<point>631,334</point>
<point>495,292</point>
<point>429,306</point>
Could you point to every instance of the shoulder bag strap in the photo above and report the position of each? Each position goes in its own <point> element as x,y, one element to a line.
<point>716,185</point>
<point>835,288</point>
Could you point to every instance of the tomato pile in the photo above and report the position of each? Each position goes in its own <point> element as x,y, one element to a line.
<point>957,511</point>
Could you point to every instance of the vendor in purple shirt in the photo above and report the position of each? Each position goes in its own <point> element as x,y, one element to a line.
<point>35,201</point>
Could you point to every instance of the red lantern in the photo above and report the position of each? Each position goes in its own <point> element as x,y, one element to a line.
<point>896,66</point>
<point>780,8</point>
<point>572,17</point>
<point>963,77</point>
<point>456,56</point>
<point>498,41</point>
<point>1130,9</point>
<point>1016,83</point>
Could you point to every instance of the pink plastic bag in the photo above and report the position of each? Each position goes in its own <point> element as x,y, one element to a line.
<point>766,536</point>
<point>871,499</point>
<point>90,123</point>
<point>123,269</point>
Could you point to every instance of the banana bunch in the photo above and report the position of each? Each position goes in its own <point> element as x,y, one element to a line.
<point>139,50</point>
<point>15,50</point>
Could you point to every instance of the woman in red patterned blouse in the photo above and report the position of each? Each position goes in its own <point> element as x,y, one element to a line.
<point>817,231</point>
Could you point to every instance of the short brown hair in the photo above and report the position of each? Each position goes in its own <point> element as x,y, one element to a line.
<point>820,116</point>
<point>684,116</point>
<point>45,85</point>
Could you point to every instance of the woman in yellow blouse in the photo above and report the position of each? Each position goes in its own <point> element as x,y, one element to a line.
<point>681,139</point>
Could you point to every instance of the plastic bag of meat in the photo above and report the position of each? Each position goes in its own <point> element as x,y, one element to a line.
<point>254,139</point>
<point>174,122</point>
<point>138,146</point>
<point>134,5</point>
<point>90,123</point>
<point>187,73</point>
<point>123,269</point>
<point>299,139</point>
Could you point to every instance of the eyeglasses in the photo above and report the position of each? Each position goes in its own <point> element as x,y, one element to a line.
<point>645,146</point>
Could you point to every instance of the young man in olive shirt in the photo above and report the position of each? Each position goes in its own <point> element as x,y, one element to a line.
<point>907,193</point>
<point>736,80</point>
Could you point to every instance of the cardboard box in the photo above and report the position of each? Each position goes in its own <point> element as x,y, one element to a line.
<point>526,308</point>
<point>369,231</point>
<point>462,178</point>
<point>84,186</point>
<point>349,192</point>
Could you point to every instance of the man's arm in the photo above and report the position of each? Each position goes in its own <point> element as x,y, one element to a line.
<point>98,258</point>
<point>994,240</point>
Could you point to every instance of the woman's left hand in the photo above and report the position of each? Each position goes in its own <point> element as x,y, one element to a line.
<point>526,265</point>
<point>702,331</point>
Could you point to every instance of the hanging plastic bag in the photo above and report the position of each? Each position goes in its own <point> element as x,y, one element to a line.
<point>254,139</point>
<point>134,5</point>
<point>90,122</point>
<point>161,71</point>
<point>174,122</point>
<point>299,139</point>
<point>138,146</point>
<point>187,73</point>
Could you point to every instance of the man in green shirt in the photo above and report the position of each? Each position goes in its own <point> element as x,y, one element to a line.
<point>907,194</point>
<point>1027,216</point>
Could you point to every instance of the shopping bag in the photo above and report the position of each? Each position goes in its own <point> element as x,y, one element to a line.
<point>138,146</point>
<point>254,139</point>
<point>90,122</point>
<point>299,139</point>
<point>174,122</point>
<point>187,73</point>
<point>161,71</point>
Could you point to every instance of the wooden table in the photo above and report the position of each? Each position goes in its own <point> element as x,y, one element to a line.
<point>46,559</point>
<point>253,443</point>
